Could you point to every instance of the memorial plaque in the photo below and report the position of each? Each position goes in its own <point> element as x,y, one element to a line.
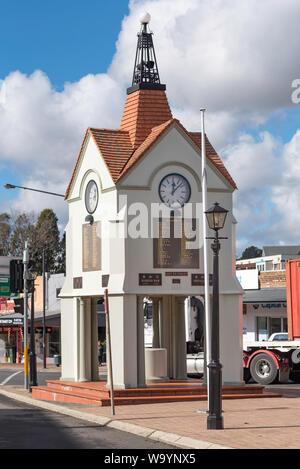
<point>176,280</point>
<point>91,248</point>
<point>105,280</point>
<point>77,282</point>
<point>176,274</point>
<point>198,280</point>
<point>170,248</point>
<point>150,280</point>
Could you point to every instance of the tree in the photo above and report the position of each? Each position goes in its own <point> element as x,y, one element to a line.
<point>23,229</point>
<point>5,231</point>
<point>61,260</point>
<point>47,238</point>
<point>251,252</point>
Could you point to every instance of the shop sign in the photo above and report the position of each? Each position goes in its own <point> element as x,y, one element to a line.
<point>11,322</point>
<point>5,286</point>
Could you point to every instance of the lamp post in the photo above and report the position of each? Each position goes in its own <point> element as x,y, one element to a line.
<point>32,354</point>
<point>13,186</point>
<point>216,219</point>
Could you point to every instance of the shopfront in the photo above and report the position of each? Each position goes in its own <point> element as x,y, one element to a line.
<point>11,340</point>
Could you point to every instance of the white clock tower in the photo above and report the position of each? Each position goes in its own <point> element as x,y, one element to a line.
<point>132,190</point>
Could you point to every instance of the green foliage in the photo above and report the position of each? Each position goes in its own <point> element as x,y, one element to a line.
<point>5,231</point>
<point>251,252</point>
<point>42,233</point>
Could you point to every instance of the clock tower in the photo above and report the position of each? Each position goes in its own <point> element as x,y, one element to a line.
<point>135,228</point>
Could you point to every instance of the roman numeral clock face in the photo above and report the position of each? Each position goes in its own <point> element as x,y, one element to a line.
<point>91,196</point>
<point>174,190</point>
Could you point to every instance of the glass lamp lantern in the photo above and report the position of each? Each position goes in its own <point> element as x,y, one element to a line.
<point>216,217</point>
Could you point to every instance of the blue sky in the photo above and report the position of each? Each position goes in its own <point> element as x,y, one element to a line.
<point>67,39</point>
<point>65,65</point>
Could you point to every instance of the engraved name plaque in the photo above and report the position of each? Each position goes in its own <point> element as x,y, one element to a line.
<point>91,248</point>
<point>198,280</point>
<point>170,247</point>
<point>150,280</point>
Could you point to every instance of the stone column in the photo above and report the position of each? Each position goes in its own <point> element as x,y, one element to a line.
<point>94,340</point>
<point>155,322</point>
<point>141,382</point>
<point>82,342</point>
<point>179,339</point>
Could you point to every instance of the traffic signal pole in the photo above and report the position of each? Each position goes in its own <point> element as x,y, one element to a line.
<point>25,262</point>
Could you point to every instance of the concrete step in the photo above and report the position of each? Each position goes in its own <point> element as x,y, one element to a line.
<point>59,394</point>
<point>167,389</point>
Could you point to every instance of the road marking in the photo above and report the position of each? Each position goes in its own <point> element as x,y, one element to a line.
<point>10,377</point>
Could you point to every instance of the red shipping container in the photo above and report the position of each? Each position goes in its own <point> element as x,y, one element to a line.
<point>293,297</point>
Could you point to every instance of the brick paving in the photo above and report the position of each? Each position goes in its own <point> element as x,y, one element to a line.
<point>249,423</point>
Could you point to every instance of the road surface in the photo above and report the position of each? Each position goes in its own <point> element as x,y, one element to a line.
<point>23,426</point>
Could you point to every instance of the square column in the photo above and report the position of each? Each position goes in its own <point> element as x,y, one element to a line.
<point>127,340</point>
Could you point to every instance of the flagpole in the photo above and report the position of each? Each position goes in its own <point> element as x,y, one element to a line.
<point>205,251</point>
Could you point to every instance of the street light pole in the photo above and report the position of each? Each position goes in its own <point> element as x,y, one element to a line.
<point>216,219</point>
<point>32,355</point>
<point>25,262</point>
<point>215,418</point>
<point>13,186</point>
<point>44,311</point>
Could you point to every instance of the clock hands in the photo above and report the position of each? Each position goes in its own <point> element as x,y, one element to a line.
<point>175,188</point>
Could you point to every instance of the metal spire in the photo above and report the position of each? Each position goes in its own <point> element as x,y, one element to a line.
<point>145,73</point>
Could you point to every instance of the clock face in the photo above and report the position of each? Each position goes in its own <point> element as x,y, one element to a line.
<point>91,196</point>
<point>174,190</point>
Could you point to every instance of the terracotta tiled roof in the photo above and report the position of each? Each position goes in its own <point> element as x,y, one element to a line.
<point>213,156</point>
<point>146,117</point>
<point>144,109</point>
<point>156,132</point>
<point>147,143</point>
<point>115,148</point>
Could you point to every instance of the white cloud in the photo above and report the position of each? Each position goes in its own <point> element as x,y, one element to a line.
<point>225,55</point>
<point>235,57</point>
<point>42,130</point>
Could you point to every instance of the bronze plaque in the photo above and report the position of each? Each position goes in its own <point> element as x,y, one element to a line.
<point>77,282</point>
<point>170,250</point>
<point>176,274</point>
<point>198,280</point>
<point>176,280</point>
<point>105,280</point>
<point>151,280</point>
<point>91,248</point>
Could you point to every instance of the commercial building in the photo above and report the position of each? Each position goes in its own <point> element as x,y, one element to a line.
<point>264,282</point>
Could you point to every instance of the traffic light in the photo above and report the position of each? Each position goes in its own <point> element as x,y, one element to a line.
<point>19,305</point>
<point>16,272</point>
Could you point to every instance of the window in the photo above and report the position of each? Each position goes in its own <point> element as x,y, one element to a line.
<point>274,325</point>
<point>266,326</point>
<point>262,329</point>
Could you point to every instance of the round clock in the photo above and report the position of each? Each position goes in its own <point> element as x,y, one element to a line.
<point>174,190</point>
<point>91,196</point>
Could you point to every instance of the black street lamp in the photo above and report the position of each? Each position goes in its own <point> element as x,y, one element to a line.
<point>32,354</point>
<point>216,217</point>
<point>13,186</point>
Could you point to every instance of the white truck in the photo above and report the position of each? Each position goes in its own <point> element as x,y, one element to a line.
<point>274,359</point>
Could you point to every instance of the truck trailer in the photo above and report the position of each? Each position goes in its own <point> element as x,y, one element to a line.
<point>278,358</point>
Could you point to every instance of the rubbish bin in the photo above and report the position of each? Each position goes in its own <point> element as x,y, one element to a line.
<point>57,360</point>
<point>11,352</point>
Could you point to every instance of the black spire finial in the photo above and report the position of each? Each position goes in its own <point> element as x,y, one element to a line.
<point>145,73</point>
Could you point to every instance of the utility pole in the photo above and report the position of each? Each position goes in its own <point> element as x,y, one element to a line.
<point>32,355</point>
<point>25,262</point>
<point>44,311</point>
